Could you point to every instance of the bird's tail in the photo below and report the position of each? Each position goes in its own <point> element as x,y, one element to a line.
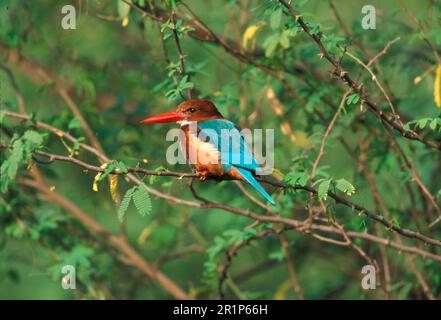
<point>248,176</point>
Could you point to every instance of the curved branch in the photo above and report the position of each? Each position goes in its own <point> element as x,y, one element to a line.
<point>290,222</point>
<point>340,72</point>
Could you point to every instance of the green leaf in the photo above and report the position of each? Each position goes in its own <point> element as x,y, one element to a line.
<point>74,123</point>
<point>276,18</point>
<point>184,84</point>
<point>323,189</point>
<point>79,256</point>
<point>33,137</point>
<point>172,3</point>
<point>270,44</point>
<point>216,248</point>
<point>277,255</point>
<point>352,99</point>
<point>345,186</point>
<point>122,166</point>
<point>142,201</point>
<point>86,87</point>
<point>152,178</point>
<point>123,9</point>
<point>423,122</point>
<point>235,236</point>
<point>296,178</point>
<point>284,39</point>
<point>106,172</point>
<point>15,158</point>
<point>15,230</point>
<point>314,28</point>
<point>125,203</point>
<point>4,180</point>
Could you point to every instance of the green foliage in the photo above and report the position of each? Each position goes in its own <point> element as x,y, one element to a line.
<point>85,87</point>
<point>333,42</point>
<point>110,168</point>
<point>278,40</point>
<point>278,255</point>
<point>175,94</point>
<point>141,200</point>
<point>323,188</point>
<point>117,71</point>
<point>276,18</point>
<point>125,203</point>
<point>122,166</point>
<point>296,178</point>
<point>344,186</point>
<point>123,9</point>
<point>20,152</point>
<point>352,99</point>
<point>168,27</point>
<point>230,238</point>
<point>74,123</point>
<point>433,124</point>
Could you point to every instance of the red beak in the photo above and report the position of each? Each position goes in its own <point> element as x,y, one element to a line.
<point>170,116</point>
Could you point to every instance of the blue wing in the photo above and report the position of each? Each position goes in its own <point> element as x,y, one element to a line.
<point>234,150</point>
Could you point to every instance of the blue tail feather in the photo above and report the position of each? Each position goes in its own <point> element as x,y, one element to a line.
<point>248,176</point>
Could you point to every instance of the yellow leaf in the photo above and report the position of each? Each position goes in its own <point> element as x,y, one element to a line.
<point>302,140</point>
<point>193,293</point>
<point>146,232</point>
<point>125,22</point>
<point>281,292</point>
<point>250,34</point>
<point>217,94</point>
<point>417,80</point>
<point>274,102</point>
<point>279,110</point>
<point>437,87</point>
<point>113,186</point>
<point>98,175</point>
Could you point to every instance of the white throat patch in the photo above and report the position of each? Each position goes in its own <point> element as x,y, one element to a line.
<point>184,122</point>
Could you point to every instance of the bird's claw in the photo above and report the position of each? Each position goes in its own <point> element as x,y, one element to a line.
<point>203,175</point>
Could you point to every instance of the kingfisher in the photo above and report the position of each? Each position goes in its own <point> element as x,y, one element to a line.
<point>209,142</point>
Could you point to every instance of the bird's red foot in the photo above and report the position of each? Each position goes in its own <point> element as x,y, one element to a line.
<point>203,175</point>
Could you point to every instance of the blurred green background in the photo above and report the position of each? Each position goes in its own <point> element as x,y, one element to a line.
<point>114,68</point>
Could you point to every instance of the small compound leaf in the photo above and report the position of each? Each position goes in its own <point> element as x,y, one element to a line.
<point>142,201</point>
<point>125,203</point>
<point>323,189</point>
<point>345,186</point>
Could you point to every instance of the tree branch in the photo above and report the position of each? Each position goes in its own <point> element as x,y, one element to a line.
<point>340,200</point>
<point>344,76</point>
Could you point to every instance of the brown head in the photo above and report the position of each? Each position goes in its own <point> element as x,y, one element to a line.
<point>190,110</point>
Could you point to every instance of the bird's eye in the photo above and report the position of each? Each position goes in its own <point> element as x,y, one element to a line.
<point>191,110</point>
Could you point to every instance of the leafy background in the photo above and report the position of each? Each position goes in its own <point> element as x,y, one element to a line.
<point>115,72</point>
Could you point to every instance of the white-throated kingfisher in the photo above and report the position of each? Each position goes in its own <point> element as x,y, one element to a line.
<point>212,158</point>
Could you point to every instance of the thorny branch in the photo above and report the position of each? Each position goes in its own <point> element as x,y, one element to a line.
<point>204,33</point>
<point>314,229</point>
<point>340,72</point>
<point>340,200</point>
